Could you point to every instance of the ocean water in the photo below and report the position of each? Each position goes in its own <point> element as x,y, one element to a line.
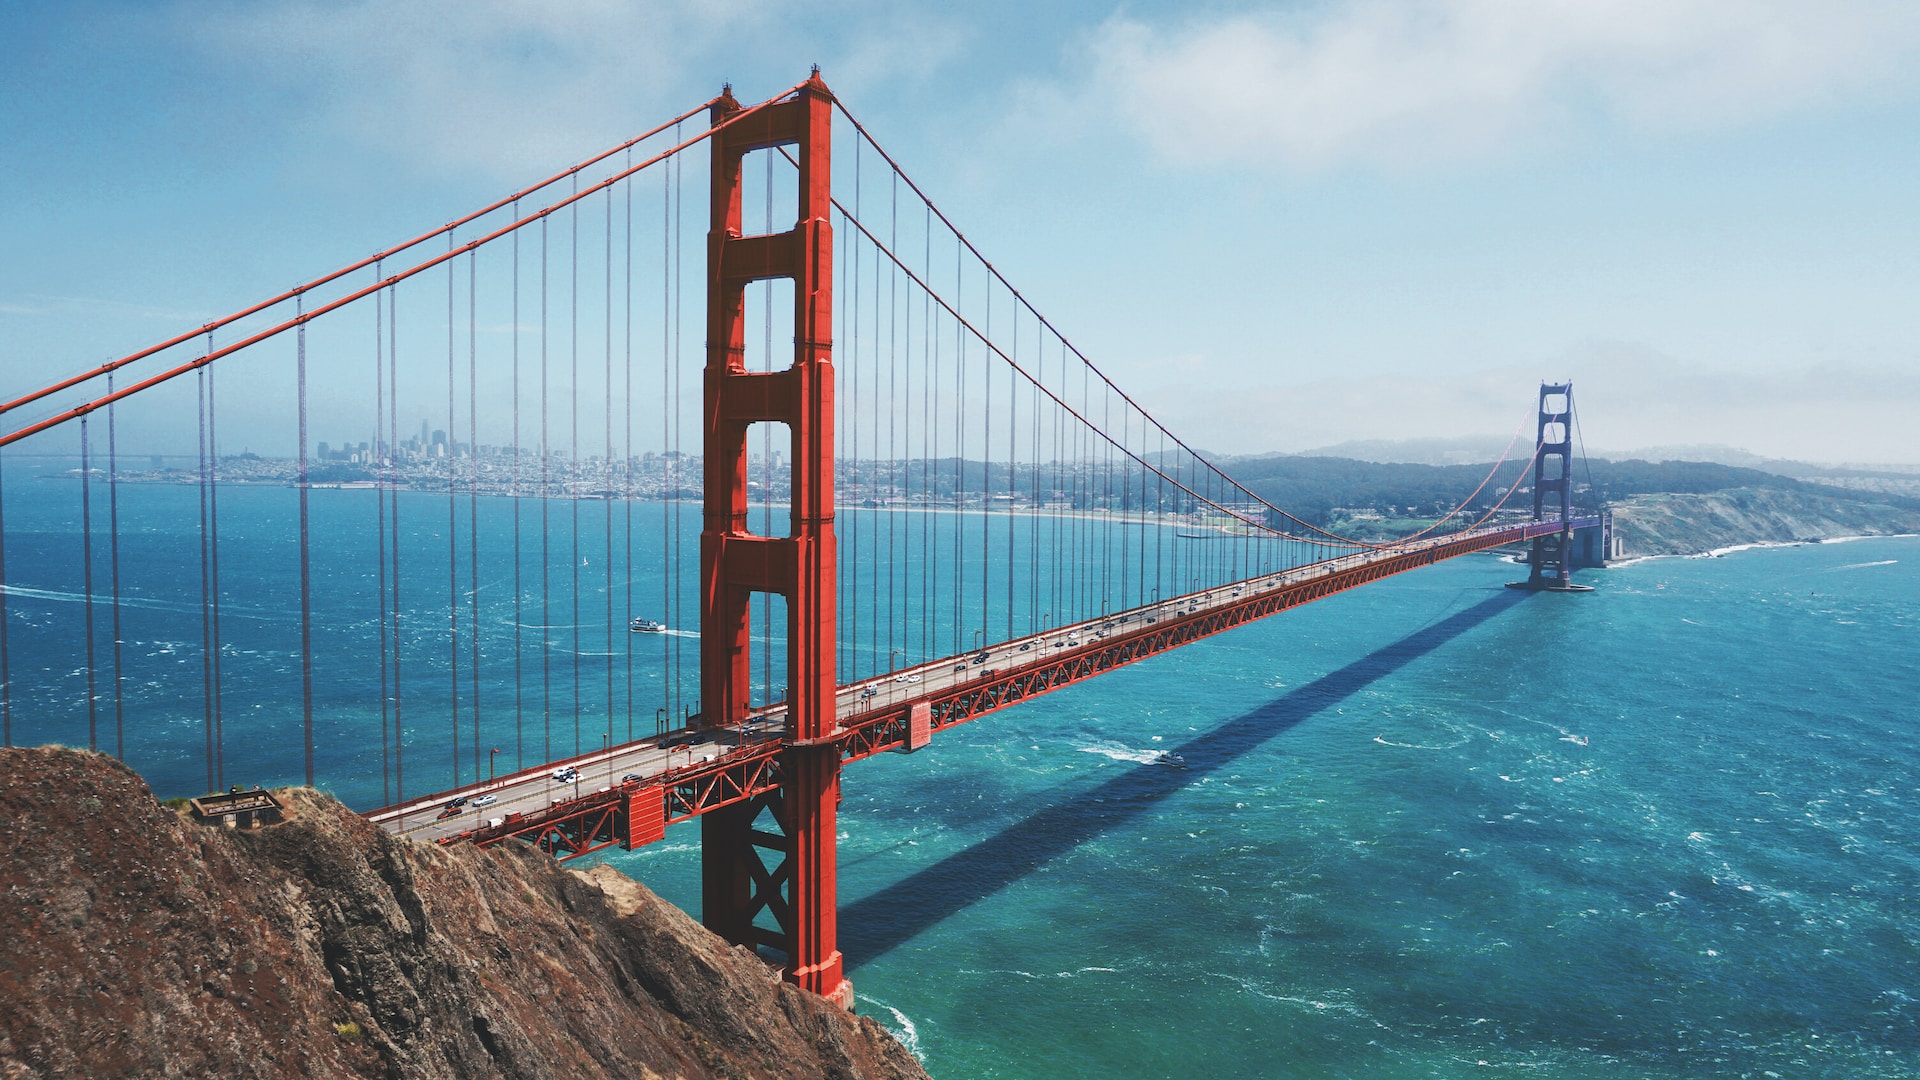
<point>1430,828</point>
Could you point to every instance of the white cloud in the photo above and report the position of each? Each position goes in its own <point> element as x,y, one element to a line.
<point>1400,82</point>
<point>499,86</point>
<point>509,88</point>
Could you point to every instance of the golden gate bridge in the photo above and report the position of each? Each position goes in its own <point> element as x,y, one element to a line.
<point>920,505</point>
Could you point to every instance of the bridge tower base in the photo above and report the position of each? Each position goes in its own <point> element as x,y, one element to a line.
<point>1551,558</point>
<point>768,868</point>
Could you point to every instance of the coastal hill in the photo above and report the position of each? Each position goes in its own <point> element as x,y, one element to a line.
<point>1660,507</point>
<point>1690,524</point>
<point>137,942</point>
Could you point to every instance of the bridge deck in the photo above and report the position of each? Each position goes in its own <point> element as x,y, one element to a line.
<point>694,771</point>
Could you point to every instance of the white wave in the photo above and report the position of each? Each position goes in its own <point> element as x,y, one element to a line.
<point>1137,756</point>
<point>1119,752</point>
<point>1384,741</point>
<point>908,1035</point>
<point>1861,565</point>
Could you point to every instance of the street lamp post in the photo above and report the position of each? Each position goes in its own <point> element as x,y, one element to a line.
<point>490,760</point>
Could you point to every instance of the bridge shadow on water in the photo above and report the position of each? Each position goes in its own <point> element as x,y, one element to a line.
<point>875,925</point>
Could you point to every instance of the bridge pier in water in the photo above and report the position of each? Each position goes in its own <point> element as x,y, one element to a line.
<point>793,825</point>
<point>1553,556</point>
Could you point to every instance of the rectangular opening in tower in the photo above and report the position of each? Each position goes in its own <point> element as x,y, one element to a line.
<point>767,677</point>
<point>768,334</point>
<point>769,190</point>
<point>770,479</point>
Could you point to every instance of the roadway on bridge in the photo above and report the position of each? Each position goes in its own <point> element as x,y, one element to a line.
<point>535,790</point>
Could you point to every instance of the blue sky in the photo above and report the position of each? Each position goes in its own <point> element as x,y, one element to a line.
<point>1280,225</point>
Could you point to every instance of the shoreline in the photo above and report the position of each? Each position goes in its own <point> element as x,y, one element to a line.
<point>1722,552</point>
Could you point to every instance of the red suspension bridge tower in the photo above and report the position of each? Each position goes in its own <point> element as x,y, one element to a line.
<point>738,887</point>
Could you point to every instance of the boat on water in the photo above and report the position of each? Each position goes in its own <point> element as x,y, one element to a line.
<point>647,626</point>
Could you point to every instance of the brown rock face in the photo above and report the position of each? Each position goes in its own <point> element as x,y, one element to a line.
<point>134,942</point>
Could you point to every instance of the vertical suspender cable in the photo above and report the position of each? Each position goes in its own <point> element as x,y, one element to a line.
<point>546,499</point>
<point>380,455</point>
<point>607,431</point>
<point>930,444</point>
<point>6,651</point>
<point>766,456</point>
<point>1106,497</point>
<point>1033,487</point>
<point>876,514</point>
<point>213,555</point>
<point>850,281</point>
<point>573,434</point>
<point>113,534</point>
<point>679,259</point>
<point>473,505</point>
<point>626,467</point>
<point>1053,517</point>
<point>856,600</point>
<point>206,614</point>
<point>519,593</point>
<point>874,467</point>
<point>306,573</point>
<point>1106,494</point>
<point>393,517</point>
<point>1013,453</point>
<point>986,466</point>
<point>895,581</point>
<point>960,456</point>
<point>453,543</point>
<point>86,577</point>
<point>669,486</point>
<point>1160,519</point>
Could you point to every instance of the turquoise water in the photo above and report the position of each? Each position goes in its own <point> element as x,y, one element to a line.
<point>1432,828</point>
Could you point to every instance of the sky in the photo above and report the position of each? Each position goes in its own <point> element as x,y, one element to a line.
<point>1280,226</point>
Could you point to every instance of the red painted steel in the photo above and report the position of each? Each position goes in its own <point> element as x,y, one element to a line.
<point>734,564</point>
<point>646,811</point>
<point>919,730</point>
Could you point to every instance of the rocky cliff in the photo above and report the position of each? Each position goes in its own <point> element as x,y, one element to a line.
<point>134,942</point>
<point>1674,524</point>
